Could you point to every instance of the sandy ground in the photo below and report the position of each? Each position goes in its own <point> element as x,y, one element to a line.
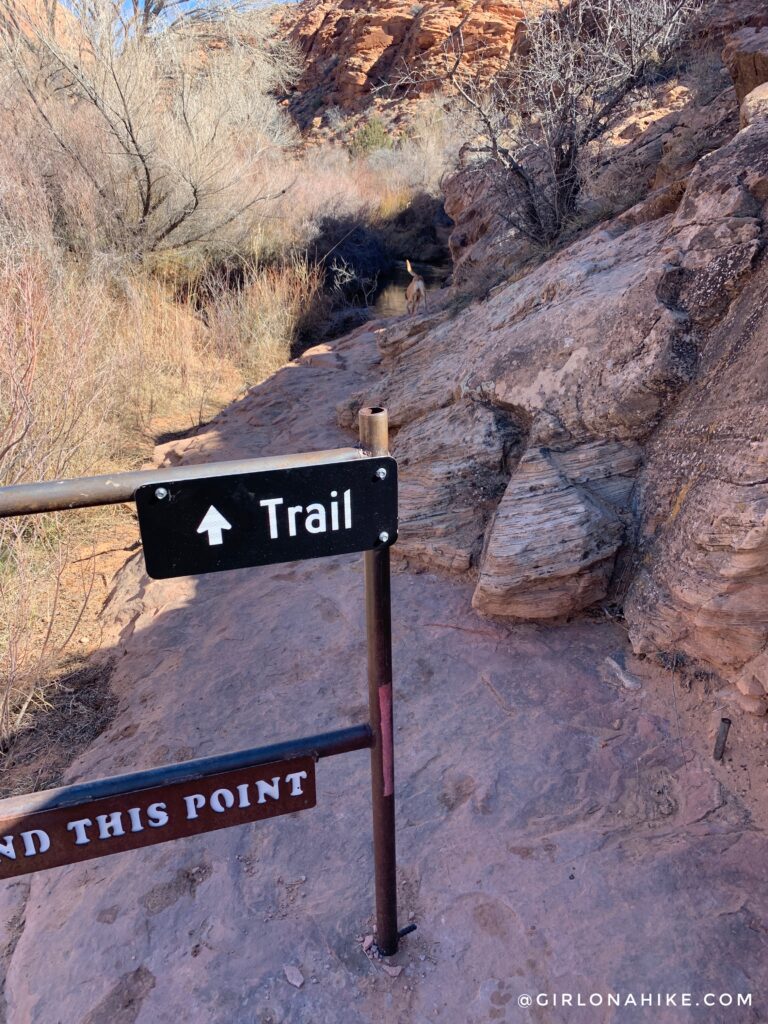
<point>558,833</point>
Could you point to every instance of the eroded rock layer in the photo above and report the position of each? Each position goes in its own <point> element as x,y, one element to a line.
<point>621,387</point>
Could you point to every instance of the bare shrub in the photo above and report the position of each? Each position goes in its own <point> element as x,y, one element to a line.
<point>531,122</point>
<point>90,368</point>
<point>169,128</point>
<point>135,154</point>
<point>418,161</point>
<point>334,118</point>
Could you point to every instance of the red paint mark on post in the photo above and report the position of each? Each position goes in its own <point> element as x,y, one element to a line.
<point>387,741</point>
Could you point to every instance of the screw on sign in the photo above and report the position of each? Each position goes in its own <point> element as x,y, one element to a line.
<point>214,518</point>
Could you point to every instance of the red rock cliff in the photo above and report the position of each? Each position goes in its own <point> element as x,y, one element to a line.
<point>355,47</point>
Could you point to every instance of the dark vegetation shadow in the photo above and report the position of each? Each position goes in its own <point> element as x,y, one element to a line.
<point>359,259</point>
<point>79,705</point>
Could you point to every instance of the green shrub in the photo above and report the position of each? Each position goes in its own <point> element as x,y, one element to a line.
<point>372,136</point>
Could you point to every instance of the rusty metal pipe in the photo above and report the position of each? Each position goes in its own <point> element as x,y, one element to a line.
<point>343,741</point>
<point>88,492</point>
<point>374,439</point>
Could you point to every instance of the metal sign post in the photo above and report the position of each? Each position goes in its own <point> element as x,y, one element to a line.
<point>374,438</point>
<point>214,518</point>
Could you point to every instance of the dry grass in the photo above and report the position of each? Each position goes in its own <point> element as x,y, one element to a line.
<point>372,188</point>
<point>257,324</point>
<point>90,368</point>
<point>100,351</point>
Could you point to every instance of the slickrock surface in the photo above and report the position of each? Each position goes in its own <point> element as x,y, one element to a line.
<point>559,830</point>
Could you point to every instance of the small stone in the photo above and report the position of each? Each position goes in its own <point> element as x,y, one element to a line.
<point>617,724</point>
<point>753,678</point>
<point>612,672</point>
<point>393,972</point>
<point>752,705</point>
<point>293,975</point>
<point>367,943</point>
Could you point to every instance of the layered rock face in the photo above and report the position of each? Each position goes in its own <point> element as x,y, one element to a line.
<point>746,55</point>
<point>355,47</point>
<point>702,589</point>
<point>621,389</point>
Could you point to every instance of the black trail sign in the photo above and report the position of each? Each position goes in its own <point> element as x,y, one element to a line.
<point>235,522</point>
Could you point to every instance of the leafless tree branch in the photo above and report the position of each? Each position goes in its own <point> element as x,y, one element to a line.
<point>531,121</point>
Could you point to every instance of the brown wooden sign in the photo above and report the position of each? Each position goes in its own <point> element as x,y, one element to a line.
<point>97,828</point>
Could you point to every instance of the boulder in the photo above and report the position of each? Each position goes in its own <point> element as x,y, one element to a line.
<point>557,530</point>
<point>746,56</point>
<point>755,106</point>
<point>753,678</point>
<point>452,474</point>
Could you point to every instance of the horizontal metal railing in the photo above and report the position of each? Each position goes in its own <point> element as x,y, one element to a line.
<point>343,741</point>
<point>116,488</point>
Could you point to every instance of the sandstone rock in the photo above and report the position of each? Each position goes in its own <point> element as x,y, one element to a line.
<point>614,673</point>
<point>703,585</point>
<point>749,686</point>
<point>755,106</point>
<point>354,47</point>
<point>447,494</point>
<point>724,17</point>
<point>26,17</point>
<point>293,975</point>
<point>554,538</point>
<point>394,971</point>
<point>621,343</point>
<point>746,56</point>
<point>478,225</point>
<point>753,678</point>
<point>694,131</point>
<point>752,705</point>
<point>323,355</point>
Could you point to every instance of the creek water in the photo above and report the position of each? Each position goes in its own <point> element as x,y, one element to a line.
<point>390,298</point>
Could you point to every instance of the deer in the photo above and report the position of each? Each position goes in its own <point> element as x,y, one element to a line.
<point>416,292</point>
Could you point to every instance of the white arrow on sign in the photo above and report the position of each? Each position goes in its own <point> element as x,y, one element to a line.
<point>213,524</point>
